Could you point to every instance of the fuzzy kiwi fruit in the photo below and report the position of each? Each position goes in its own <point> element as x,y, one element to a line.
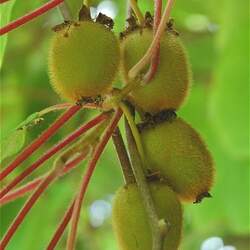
<point>83,60</point>
<point>170,84</point>
<point>177,151</point>
<point>130,222</point>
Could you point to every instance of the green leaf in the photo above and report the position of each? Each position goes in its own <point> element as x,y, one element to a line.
<point>5,15</point>
<point>30,121</point>
<point>12,144</point>
<point>230,93</point>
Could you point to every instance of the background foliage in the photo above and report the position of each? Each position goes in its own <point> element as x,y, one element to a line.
<point>216,34</point>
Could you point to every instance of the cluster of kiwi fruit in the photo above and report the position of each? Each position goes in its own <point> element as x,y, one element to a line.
<point>85,58</point>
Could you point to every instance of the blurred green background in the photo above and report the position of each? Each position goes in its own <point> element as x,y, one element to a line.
<point>216,35</point>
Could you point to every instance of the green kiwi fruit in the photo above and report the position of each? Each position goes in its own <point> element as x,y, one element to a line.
<point>131,224</point>
<point>170,84</point>
<point>176,150</point>
<point>83,60</point>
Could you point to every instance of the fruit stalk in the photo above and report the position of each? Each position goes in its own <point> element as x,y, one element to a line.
<point>86,178</point>
<point>123,156</point>
<point>134,131</point>
<point>65,12</point>
<point>156,55</point>
<point>40,140</point>
<point>61,106</point>
<point>156,225</point>
<point>28,17</point>
<point>151,50</point>
<point>56,107</point>
<point>100,118</point>
<point>136,9</point>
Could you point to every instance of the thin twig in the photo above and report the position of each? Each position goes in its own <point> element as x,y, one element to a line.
<point>123,156</point>
<point>65,11</point>
<point>40,140</point>
<point>53,108</point>
<point>30,16</point>
<point>74,153</point>
<point>86,178</point>
<point>30,203</point>
<point>156,55</point>
<point>148,55</point>
<point>137,166</point>
<point>61,227</point>
<point>84,128</point>
<point>91,140</point>
<point>3,1</point>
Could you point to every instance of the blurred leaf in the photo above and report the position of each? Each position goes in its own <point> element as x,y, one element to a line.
<point>201,53</point>
<point>230,93</point>
<point>12,144</point>
<point>5,15</point>
<point>236,197</point>
<point>195,111</point>
<point>12,105</point>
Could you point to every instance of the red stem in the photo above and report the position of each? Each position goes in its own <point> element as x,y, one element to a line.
<point>40,140</point>
<point>28,17</point>
<point>61,228</point>
<point>3,1</point>
<point>156,56</point>
<point>21,191</point>
<point>46,181</point>
<point>53,151</point>
<point>86,178</point>
<point>26,208</point>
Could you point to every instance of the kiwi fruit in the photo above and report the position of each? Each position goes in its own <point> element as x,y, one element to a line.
<point>176,150</point>
<point>170,84</point>
<point>130,222</point>
<point>83,60</point>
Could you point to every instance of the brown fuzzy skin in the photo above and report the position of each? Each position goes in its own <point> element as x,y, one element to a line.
<point>177,151</point>
<point>83,60</point>
<point>169,86</point>
<point>130,221</point>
